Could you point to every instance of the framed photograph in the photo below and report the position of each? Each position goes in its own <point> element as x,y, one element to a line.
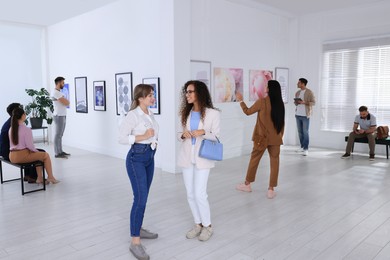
<point>281,75</point>
<point>99,95</point>
<point>80,84</point>
<point>258,80</point>
<point>228,85</point>
<point>155,83</point>
<point>124,92</point>
<point>201,70</point>
<point>65,91</point>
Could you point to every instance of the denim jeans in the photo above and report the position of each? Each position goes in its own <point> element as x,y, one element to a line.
<point>303,123</point>
<point>140,169</point>
<point>60,122</point>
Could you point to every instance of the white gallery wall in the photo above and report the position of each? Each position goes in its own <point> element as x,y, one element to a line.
<point>150,38</point>
<point>21,63</point>
<point>232,35</point>
<point>312,31</point>
<point>126,36</point>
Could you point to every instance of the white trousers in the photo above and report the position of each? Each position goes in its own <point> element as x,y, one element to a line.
<point>195,181</point>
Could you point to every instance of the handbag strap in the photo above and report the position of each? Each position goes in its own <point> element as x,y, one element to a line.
<point>217,139</point>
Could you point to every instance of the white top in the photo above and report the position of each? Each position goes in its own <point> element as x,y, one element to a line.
<point>136,123</point>
<point>59,108</point>
<point>301,108</point>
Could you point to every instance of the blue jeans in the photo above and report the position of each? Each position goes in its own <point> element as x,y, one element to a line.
<point>140,168</point>
<point>303,123</point>
<point>60,122</point>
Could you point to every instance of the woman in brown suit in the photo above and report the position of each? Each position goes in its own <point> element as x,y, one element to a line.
<point>268,134</point>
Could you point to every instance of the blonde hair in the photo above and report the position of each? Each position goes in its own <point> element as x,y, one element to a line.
<point>140,91</point>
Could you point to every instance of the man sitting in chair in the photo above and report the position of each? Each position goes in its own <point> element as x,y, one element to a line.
<point>367,123</point>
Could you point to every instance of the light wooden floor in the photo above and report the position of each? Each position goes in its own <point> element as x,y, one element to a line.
<point>326,208</point>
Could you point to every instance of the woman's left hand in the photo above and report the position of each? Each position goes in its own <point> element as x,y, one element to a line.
<point>198,132</point>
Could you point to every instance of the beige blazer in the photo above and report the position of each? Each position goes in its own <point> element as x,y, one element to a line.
<point>211,125</point>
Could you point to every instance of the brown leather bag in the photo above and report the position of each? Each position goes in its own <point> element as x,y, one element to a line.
<point>382,132</point>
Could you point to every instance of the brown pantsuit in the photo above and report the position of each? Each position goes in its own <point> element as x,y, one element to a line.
<point>264,137</point>
<point>257,153</point>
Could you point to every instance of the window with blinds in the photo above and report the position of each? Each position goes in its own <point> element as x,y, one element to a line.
<point>355,73</point>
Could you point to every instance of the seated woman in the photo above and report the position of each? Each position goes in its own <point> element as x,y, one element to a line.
<point>22,149</point>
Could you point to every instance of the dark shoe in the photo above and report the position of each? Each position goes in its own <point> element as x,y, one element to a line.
<point>67,154</point>
<point>346,155</point>
<point>29,179</point>
<point>372,157</point>
<point>61,156</point>
<point>144,233</point>
<point>139,252</point>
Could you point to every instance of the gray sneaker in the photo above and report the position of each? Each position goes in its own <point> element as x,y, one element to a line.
<point>138,252</point>
<point>144,233</point>
<point>194,232</point>
<point>206,233</point>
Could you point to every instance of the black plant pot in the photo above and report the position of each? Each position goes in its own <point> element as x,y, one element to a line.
<point>36,122</point>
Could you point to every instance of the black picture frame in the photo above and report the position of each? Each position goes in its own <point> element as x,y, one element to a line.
<point>123,92</point>
<point>99,95</point>
<point>155,83</point>
<point>81,94</point>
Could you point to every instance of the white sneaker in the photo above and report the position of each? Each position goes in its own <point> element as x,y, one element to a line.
<point>305,153</point>
<point>300,150</point>
<point>206,233</point>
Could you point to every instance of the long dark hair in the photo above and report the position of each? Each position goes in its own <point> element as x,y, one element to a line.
<point>17,114</point>
<point>203,96</point>
<point>140,91</point>
<point>277,105</point>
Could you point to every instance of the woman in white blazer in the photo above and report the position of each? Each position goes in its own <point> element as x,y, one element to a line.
<point>199,120</point>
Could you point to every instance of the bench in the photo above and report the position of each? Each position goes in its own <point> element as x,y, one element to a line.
<point>377,141</point>
<point>22,167</point>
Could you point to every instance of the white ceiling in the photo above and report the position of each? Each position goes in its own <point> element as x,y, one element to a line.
<point>48,12</point>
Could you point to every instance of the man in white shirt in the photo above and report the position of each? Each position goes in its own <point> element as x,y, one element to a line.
<point>304,101</point>
<point>59,116</point>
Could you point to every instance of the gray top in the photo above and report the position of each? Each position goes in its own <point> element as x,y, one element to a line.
<point>365,124</point>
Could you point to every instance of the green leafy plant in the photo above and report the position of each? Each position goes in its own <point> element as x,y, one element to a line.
<point>41,103</point>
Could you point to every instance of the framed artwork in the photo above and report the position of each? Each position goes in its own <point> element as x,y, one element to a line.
<point>281,75</point>
<point>80,84</point>
<point>228,85</point>
<point>99,95</point>
<point>65,91</point>
<point>201,70</point>
<point>124,92</point>
<point>258,80</point>
<point>155,83</point>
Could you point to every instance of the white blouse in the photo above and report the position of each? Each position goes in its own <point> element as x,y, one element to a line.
<point>136,123</point>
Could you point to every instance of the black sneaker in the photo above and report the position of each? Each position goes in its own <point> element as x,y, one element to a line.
<point>67,154</point>
<point>61,156</point>
<point>346,155</point>
<point>372,157</point>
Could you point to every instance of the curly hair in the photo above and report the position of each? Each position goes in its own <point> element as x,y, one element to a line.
<point>204,100</point>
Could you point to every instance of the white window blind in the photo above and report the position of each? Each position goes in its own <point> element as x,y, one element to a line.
<point>355,73</point>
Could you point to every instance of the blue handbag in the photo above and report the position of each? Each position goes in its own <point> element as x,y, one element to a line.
<point>212,150</point>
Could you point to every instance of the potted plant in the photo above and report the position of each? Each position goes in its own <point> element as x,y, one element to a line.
<point>37,110</point>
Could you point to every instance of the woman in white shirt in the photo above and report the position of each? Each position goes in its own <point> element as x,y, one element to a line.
<point>139,129</point>
<point>199,120</point>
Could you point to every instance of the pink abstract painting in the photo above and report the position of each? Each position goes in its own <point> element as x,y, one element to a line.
<point>228,85</point>
<point>258,80</point>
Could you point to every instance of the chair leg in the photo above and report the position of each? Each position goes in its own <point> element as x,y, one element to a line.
<point>22,179</point>
<point>1,172</point>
